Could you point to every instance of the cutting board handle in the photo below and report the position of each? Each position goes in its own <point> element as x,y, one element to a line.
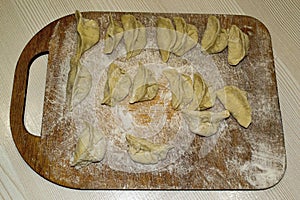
<point>28,145</point>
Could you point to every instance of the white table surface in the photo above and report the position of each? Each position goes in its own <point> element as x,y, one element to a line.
<point>21,19</point>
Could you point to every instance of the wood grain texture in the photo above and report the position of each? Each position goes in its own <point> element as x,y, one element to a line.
<point>21,20</point>
<point>236,161</point>
<point>27,144</point>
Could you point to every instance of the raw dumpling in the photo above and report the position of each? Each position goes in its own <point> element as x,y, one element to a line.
<point>177,40</point>
<point>113,36</point>
<point>180,27</point>
<point>130,31</point>
<point>181,87</point>
<point>166,37</point>
<point>191,39</point>
<point>90,148</point>
<point>204,123</point>
<point>214,39</point>
<point>88,31</point>
<point>145,86</point>
<point>79,79</point>
<point>208,99</point>
<point>117,85</point>
<point>140,42</point>
<point>81,86</point>
<point>235,100</point>
<point>134,35</point>
<point>145,152</point>
<point>211,33</point>
<point>203,97</point>
<point>238,45</point>
<point>220,43</point>
<point>199,89</point>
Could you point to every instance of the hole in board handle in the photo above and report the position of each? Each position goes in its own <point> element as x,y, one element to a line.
<point>35,94</point>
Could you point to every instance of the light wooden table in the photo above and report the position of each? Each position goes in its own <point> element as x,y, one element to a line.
<point>20,20</point>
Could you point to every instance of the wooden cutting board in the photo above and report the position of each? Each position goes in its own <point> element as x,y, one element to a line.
<point>234,158</point>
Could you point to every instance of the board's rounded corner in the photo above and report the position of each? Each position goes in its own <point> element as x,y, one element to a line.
<point>259,22</point>
<point>277,181</point>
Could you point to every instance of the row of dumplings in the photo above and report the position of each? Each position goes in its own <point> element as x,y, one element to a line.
<point>177,37</point>
<point>188,94</point>
<point>177,40</point>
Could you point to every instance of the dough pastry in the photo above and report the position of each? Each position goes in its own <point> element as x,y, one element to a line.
<point>88,33</point>
<point>191,39</point>
<point>211,33</point>
<point>117,85</point>
<point>79,79</point>
<point>238,45</point>
<point>214,39</point>
<point>220,43</point>
<point>203,96</point>
<point>199,90</point>
<point>145,152</point>
<point>134,35</point>
<point>113,36</point>
<point>208,99</point>
<point>166,37</point>
<point>235,100</point>
<point>181,87</point>
<point>178,40</point>
<point>204,123</point>
<point>81,86</point>
<point>90,148</point>
<point>145,86</point>
<point>180,27</point>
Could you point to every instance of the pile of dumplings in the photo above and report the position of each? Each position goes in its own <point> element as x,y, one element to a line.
<point>191,95</point>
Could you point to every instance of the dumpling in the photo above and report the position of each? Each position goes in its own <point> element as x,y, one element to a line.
<point>117,85</point>
<point>166,37</point>
<point>203,96</point>
<point>134,35</point>
<point>191,40</point>
<point>178,40</point>
<point>204,123</point>
<point>199,89</point>
<point>180,27</point>
<point>208,99</point>
<point>81,86</point>
<point>181,87</point>
<point>140,42</point>
<point>145,86</point>
<point>238,45</point>
<point>211,33</point>
<point>235,100</point>
<point>90,148</point>
<point>88,31</point>
<point>145,152</point>
<point>113,36</point>
<point>220,43</point>
<point>214,39</point>
<point>79,79</point>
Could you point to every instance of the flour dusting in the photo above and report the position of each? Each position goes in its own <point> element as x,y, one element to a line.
<point>234,157</point>
<point>154,120</point>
